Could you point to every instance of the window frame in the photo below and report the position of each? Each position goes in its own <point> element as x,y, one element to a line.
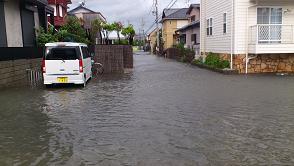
<point>85,52</point>
<point>225,23</point>
<point>209,26</point>
<point>194,38</point>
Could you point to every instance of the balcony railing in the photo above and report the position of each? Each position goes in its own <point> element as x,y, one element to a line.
<point>271,34</point>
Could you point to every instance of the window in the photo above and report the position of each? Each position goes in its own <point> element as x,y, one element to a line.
<point>194,39</point>
<point>269,15</point>
<point>60,11</point>
<point>209,27</point>
<point>86,53</point>
<point>225,23</point>
<point>183,39</point>
<point>193,18</point>
<point>269,22</point>
<point>62,53</point>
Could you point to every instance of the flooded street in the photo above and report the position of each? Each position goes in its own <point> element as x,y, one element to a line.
<point>162,113</point>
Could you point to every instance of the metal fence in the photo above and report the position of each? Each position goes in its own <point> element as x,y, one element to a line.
<point>34,77</point>
<point>15,53</point>
<point>271,33</point>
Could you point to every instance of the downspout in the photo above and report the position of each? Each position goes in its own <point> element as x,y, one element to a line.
<point>202,29</point>
<point>247,37</point>
<point>232,32</point>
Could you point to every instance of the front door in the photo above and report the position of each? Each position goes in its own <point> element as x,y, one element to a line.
<point>269,22</point>
<point>28,28</point>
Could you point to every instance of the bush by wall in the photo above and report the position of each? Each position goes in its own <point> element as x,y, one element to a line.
<point>213,60</point>
<point>186,55</point>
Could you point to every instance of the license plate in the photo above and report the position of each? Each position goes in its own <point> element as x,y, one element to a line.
<point>62,80</point>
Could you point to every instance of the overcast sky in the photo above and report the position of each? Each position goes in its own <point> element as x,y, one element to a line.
<point>132,11</point>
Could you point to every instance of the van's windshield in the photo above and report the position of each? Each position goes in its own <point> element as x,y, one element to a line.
<point>62,53</point>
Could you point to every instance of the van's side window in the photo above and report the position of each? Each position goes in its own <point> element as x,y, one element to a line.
<point>86,53</point>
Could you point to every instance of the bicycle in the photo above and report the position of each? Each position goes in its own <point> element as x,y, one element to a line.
<point>97,69</point>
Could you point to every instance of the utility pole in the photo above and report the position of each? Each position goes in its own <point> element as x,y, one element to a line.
<point>157,23</point>
<point>143,35</point>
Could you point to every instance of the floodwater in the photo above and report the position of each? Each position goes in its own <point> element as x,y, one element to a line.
<point>163,113</point>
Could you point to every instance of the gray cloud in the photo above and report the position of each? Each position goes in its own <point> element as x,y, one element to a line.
<point>128,11</point>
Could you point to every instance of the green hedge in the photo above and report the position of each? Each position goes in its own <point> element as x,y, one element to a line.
<point>213,60</point>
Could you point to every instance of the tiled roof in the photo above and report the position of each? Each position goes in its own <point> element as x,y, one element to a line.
<point>175,13</point>
<point>71,12</point>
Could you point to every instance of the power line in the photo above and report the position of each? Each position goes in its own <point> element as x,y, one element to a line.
<point>170,5</point>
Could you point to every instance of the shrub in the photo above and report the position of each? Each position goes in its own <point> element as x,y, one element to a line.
<point>225,64</point>
<point>186,54</point>
<point>197,61</point>
<point>213,60</point>
<point>122,42</point>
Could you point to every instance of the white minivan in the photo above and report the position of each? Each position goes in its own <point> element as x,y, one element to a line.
<point>66,63</point>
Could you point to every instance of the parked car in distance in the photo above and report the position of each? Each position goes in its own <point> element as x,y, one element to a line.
<point>66,63</point>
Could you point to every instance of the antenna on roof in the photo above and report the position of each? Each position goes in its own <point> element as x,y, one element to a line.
<point>188,3</point>
<point>83,3</point>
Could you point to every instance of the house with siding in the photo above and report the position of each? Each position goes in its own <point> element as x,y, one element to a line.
<point>19,20</point>
<point>256,36</point>
<point>172,20</point>
<point>60,11</point>
<point>189,35</point>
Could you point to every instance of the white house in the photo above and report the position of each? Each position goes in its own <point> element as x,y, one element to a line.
<point>254,35</point>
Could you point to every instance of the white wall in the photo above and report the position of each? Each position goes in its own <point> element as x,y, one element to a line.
<point>243,24</point>
<point>13,23</point>
<point>181,23</point>
<point>218,42</point>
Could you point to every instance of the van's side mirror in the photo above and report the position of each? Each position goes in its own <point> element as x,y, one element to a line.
<point>93,62</point>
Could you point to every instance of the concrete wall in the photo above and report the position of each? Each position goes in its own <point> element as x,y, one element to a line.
<point>168,30</point>
<point>13,23</point>
<point>14,72</point>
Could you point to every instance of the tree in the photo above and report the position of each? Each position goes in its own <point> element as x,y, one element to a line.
<point>73,31</point>
<point>129,32</point>
<point>107,29</point>
<point>96,28</point>
<point>118,26</point>
<point>46,37</point>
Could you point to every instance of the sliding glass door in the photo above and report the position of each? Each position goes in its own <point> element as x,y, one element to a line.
<point>269,23</point>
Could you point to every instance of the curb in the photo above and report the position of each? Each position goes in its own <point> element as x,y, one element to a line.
<point>223,71</point>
